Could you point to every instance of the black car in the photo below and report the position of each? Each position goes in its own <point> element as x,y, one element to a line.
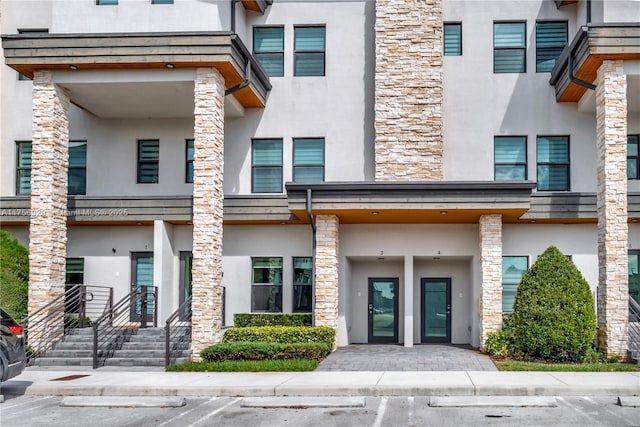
<point>12,353</point>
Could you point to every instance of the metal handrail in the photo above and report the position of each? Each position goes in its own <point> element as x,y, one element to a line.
<point>177,332</point>
<point>112,328</point>
<point>75,308</point>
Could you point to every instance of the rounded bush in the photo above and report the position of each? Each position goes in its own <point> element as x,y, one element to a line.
<point>553,314</point>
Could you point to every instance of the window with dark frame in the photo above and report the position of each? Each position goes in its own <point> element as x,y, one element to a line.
<point>633,156</point>
<point>74,275</point>
<point>513,268</point>
<point>302,284</point>
<point>77,181</point>
<point>161,1</point>
<point>268,48</point>
<point>509,47</point>
<point>309,50</point>
<point>189,162</point>
<point>106,2</point>
<point>553,163</point>
<point>308,159</point>
<point>452,38</point>
<point>266,166</point>
<point>23,167</point>
<point>148,161</point>
<point>634,275</point>
<point>266,284</point>
<point>551,38</point>
<point>510,158</point>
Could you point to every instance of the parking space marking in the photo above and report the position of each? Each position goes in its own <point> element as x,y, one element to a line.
<point>411,400</point>
<point>579,411</point>
<point>607,410</point>
<point>382,408</point>
<point>182,414</point>
<point>211,414</point>
<point>31,408</point>
<point>7,403</point>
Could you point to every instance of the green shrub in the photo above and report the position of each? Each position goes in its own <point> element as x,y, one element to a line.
<point>271,319</point>
<point>553,314</point>
<point>248,350</point>
<point>282,334</point>
<point>14,276</point>
<point>72,321</point>
<point>497,344</point>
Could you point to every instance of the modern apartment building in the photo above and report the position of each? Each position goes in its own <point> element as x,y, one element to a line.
<point>392,166</point>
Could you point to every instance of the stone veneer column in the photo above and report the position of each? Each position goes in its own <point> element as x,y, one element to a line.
<point>491,275</point>
<point>613,287</point>
<point>408,90</point>
<point>326,280</point>
<point>48,222</point>
<point>208,198</point>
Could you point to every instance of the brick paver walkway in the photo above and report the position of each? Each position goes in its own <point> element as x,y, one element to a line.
<point>428,357</point>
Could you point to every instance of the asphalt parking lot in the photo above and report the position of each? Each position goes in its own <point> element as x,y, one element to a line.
<point>30,411</point>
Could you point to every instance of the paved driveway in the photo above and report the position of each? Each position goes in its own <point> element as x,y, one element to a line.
<point>427,357</point>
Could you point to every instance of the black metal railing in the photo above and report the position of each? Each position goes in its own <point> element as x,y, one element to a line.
<point>78,307</point>
<point>177,333</point>
<point>136,310</point>
<point>634,325</point>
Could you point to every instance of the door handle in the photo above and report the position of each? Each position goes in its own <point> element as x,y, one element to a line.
<point>370,308</point>
<point>448,309</point>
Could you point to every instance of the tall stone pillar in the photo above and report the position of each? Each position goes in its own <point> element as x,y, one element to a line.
<point>208,198</point>
<point>408,90</point>
<point>326,280</point>
<point>48,223</point>
<point>491,275</point>
<point>613,281</point>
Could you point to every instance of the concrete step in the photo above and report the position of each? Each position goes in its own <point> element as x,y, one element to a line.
<point>142,361</point>
<point>79,331</point>
<point>68,353</point>
<point>138,354</point>
<point>73,345</point>
<point>148,331</point>
<point>142,346</point>
<point>78,338</point>
<point>63,361</point>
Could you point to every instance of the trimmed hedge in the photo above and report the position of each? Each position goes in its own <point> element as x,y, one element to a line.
<point>248,350</point>
<point>553,314</point>
<point>282,334</point>
<point>244,320</point>
<point>14,276</point>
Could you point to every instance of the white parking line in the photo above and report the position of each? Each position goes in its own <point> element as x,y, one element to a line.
<point>177,417</point>
<point>31,408</point>
<point>411,409</point>
<point>604,408</point>
<point>579,412</point>
<point>215,412</point>
<point>382,408</point>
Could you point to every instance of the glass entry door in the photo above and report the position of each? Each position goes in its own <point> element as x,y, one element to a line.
<point>142,281</point>
<point>383,310</point>
<point>436,310</point>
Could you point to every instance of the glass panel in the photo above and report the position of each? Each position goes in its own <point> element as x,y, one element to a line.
<point>510,173</point>
<point>144,277</point>
<point>267,152</point>
<point>553,177</point>
<point>302,297</point>
<point>509,61</point>
<point>273,63</point>
<point>546,58</point>
<point>267,180</point>
<point>309,38</point>
<point>452,39</point>
<point>632,168</point>
<point>190,172</point>
<point>309,64</point>
<point>161,1</point>
<point>148,150</point>
<point>106,2</point>
<point>148,173</point>
<point>308,151</point>
<point>77,154</point>
<point>24,154</point>
<point>186,293</point>
<point>435,315</point>
<point>634,277</point>
<point>308,174</point>
<point>268,39</point>
<point>551,34</point>
<point>74,271</point>
<point>77,181</point>
<point>632,145</point>
<point>266,298</point>
<point>513,268</point>
<point>508,34</point>
<point>267,270</point>
<point>384,316</point>
<point>24,181</point>
<point>553,149</point>
<point>190,149</point>
<point>302,270</point>
<point>510,149</point>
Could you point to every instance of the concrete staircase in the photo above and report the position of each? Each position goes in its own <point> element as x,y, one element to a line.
<point>137,347</point>
<point>634,341</point>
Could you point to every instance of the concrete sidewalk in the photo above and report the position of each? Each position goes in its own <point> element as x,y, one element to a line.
<point>459,383</point>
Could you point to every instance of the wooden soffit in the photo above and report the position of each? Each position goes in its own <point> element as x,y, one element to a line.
<point>593,44</point>
<point>256,5</point>
<point>223,50</point>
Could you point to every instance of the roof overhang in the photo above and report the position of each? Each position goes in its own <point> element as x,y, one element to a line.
<point>592,44</point>
<point>560,3</point>
<point>257,5</point>
<point>222,50</point>
<point>412,203</point>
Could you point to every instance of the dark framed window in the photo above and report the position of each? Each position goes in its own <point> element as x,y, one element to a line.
<point>161,1</point>
<point>266,285</point>
<point>148,161</point>
<point>184,285</point>
<point>452,38</point>
<point>189,161</point>
<point>266,166</point>
<point>23,167</point>
<point>513,268</point>
<point>106,2</point>
<point>302,284</point>
<point>551,38</point>
<point>633,157</point>
<point>309,51</point>
<point>634,275</point>
<point>509,47</point>
<point>74,275</point>
<point>308,159</point>
<point>510,158</point>
<point>553,163</point>
<point>268,48</point>
<point>77,167</point>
